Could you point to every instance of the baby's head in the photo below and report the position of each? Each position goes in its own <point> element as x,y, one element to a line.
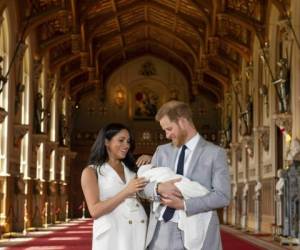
<point>144,168</point>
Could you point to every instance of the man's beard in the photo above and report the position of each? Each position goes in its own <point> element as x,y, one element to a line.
<point>180,139</point>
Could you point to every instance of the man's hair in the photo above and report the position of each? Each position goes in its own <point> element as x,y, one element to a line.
<point>174,110</point>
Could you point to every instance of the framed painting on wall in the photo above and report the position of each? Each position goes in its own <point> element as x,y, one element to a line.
<point>145,104</point>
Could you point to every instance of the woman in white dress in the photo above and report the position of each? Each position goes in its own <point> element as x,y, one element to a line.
<point>109,184</point>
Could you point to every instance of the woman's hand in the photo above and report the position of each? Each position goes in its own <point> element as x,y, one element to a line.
<point>143,159</point>
<point>135,185</point>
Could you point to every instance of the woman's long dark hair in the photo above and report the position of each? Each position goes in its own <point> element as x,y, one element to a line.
<point>99,153</point>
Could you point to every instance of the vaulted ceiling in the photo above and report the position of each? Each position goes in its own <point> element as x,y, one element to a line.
<point>86,40</point>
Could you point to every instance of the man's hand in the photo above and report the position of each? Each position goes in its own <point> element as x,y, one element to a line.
<point>172,201</point>
<point>168,189</point>
<point>143,159</point>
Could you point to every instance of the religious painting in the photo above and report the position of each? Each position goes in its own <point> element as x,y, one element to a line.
<point>146,103</point>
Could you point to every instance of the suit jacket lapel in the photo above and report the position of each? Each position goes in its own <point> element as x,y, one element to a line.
<point>195,156</point>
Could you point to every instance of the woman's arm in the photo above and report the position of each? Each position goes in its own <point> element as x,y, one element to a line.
<point>97,208</point>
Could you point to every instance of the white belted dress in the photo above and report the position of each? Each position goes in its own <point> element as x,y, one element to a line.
<point>125,227</point>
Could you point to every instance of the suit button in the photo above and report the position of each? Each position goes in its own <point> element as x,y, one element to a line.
<point>137,205</point>
<point>130,221</point>
<point>142,221</point>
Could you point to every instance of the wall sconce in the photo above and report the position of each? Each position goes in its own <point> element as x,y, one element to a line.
<point>119,97</point>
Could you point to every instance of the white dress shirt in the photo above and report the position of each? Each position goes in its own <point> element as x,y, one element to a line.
<point>191,145</point>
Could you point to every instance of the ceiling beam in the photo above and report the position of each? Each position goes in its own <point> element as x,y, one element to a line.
<point>234,68</point>
<point>49,44</point>
<point>151,42</point>
<point>222,79</point>
<point>43,17</point>
<point>66,79</point>
<point>249,23</point>
<point>162,29</point>
<point>61,61</point>
<point>185,18</point>
<point>114,6</point>
<point>244,51</point>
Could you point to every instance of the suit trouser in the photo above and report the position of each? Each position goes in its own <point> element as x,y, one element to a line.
<point>167,236</point>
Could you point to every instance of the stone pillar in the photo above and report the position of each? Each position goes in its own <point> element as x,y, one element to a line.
<point>257,206</point>
<point>278,202</point>
<point>244,218</point>
<point>234,205</point>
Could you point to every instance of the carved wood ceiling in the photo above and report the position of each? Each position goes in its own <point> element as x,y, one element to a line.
<point>86,40</point>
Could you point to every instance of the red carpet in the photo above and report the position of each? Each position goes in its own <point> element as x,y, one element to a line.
<point>230,242</point>
<point>76,235</point>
